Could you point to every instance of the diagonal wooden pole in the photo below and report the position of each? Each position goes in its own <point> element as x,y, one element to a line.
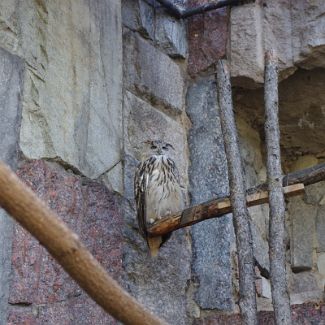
<point>293,184</point>
<point>64,245</point>
<point>215,208</point>
<point>244,241</point>
<point>280,295</point>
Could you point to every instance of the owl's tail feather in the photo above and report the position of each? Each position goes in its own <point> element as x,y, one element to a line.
<point>154,244</point>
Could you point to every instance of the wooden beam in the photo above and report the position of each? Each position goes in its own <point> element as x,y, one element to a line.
<point>215,208</point>
<point>65,246</point>
<point>211,209</point>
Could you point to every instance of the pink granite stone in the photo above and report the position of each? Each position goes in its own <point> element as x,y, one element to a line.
<point>207,37</point>
<point>89,209</point>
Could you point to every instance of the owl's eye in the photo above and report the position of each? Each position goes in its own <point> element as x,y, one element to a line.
<point>165,148</point>
<point>153,147</point>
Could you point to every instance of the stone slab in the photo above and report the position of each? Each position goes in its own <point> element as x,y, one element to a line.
<point>93,212</point>
<point>308,313</point>
<point>151,21</point>
<point>72,99</point>
<point>208,178</point>
<point>11,84</point>
<point>302,228</point>
<point>152,74</point>
<point>207,37</point>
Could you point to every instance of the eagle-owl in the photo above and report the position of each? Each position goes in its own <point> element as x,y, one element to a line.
<point>157,190</point>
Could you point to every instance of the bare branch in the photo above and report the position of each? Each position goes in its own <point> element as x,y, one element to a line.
<point>280,295</point>
<point>244,241</point>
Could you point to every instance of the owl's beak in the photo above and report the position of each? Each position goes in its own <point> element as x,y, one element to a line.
<point>159,152</point>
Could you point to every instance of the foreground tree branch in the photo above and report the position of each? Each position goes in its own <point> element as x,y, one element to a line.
<point>64,245</point>
<point>244,241</point>
<point>277,251</point>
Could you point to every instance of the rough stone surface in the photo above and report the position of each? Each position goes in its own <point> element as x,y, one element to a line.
<point>309,313</point>
<point>152,73</point>
<point>139,16</point>
<point>144,122</point>
<point>208,178</point>
<point>159,283</point>
<point>171,35</point>
<point>73,82</point>
<point>321,267</point>
<point>246,51</point>
<point>207,37</point>
<point>255,173</point>
<point>37,280</point>
<point>294,29</point>
<point>301,102</point>
<point>320,228</point>
<point>303,282</point>
<point>302,229</point>
<point>151,20</point>
<point>11,69</point>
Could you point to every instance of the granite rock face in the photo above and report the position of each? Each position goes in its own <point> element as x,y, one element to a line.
<point>301,314</point>
<point>207,37</point>
<point>73,83</point>
<point>11,76</point>
<point>152,74</point>
<point>38,281</point>
<point>208,178</point>
<point>159,283</point>
<point>301,102</point>
<point>151,20</point>
<point>294,29</point>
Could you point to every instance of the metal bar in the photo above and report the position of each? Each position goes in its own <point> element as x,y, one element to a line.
<point>180,13</point>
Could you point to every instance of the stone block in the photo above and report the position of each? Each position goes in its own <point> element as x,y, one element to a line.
<point>303,282</point>
<point>321,265</point>
<point>151,21</point>
<point>139,16</point>
<point>11,76</point>
<point>308,30</point>
<point>171,35</point>
<point>207,37</point>
<point>320,228</point>
<point>152,74</point>
<point>294,29</point>
<point>72,99</point>
<point>93,212</point>
<point>246,45</point>
<point>307,313</point>
<point>208,178</point>
<point>302,229</point>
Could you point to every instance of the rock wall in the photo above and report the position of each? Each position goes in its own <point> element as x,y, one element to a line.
<point>84,83</point>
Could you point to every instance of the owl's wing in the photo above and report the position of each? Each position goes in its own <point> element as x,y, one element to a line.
<point>140,183</point>
<point>173,169</point>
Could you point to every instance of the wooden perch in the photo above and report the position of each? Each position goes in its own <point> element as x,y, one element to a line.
<point>64,245</point>
<point>215,208</point>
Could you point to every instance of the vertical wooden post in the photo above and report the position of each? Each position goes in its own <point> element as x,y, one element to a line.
<point>247,302</point>
<point>280,294</point>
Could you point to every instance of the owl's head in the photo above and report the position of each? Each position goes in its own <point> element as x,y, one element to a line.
<point>158,147</point>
